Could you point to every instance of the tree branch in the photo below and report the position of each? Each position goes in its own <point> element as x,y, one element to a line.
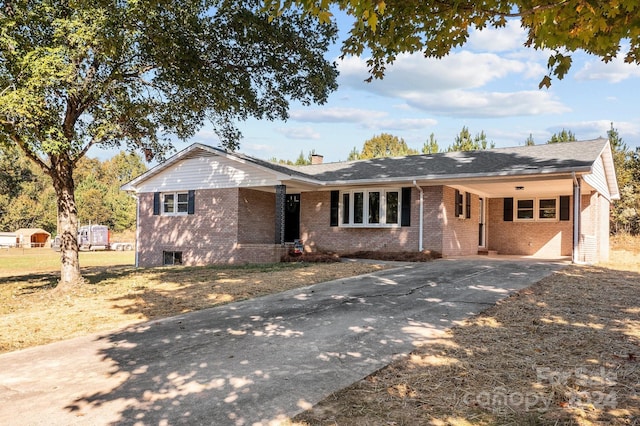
<point>28,152</point>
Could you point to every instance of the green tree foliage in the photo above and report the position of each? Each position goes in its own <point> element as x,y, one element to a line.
<point>529,141</point>
<point>387,28</point>
<point>385,145</point>
<point>464,141</point>
<point>32,201</point>
<point>431,146</point>
<point>625,214</point>
<point>563,136</point>
<point>302,160</point>
<point>354,154</point>
<point>27,199</point>
<point>104,73</point>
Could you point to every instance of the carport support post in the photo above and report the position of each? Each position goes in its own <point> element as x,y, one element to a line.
<point>576,219</point>
<point>281,198</point>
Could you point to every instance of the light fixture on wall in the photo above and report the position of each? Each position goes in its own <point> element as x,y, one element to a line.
<point>519,188</point>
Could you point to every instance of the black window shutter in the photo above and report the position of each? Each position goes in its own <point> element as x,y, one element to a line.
<point>405,219</point>
<point>508,210</point>
<point>191,202</point>
<point>335,200</point>
<point>467,197</point>
<point>156,203</point>
<point>458,204</point>
<point>564,207</point>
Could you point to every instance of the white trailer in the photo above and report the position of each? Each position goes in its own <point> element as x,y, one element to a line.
<point>8,239</point>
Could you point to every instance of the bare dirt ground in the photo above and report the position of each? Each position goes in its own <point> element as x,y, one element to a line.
<point>565,351</point>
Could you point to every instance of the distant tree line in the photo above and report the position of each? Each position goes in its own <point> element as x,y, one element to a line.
<point>28,200</point>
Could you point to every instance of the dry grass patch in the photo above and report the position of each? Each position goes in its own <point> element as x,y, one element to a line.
<point>31,314</point>
<point>565,351</point>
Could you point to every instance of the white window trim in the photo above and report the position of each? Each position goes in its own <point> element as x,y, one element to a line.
<point>365,213</point>
<point>536,209</point>
<point>175,204</point>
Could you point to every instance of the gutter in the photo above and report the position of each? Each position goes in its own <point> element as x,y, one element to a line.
<point>137,262</point>
<point>420,230</point>
<point>576,220</point>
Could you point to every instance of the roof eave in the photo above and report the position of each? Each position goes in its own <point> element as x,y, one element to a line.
<point>435,179</point>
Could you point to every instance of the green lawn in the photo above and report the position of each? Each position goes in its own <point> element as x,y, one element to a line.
<point>17,261</point>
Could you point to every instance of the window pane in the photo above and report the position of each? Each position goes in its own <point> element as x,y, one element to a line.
<point>392,207</point>
<point>167,205</point>
<point>547,209</point>
<point>183,202</point>
<point>525,209</point>
<point>374,207</point>
<point>345,207</point>
<point>525,214</point>
<point>525,204</point>
<point>546,204</point>
<point>358,207</point>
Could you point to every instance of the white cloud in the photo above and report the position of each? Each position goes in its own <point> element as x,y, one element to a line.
<point>614,72</point>
<point>449,86</point>
<point>488,104</point>
<point>402,124</point>
<point>304,132</point>
<point>512,36</point>
<point>337,115</point>
<point>414,73</point>
<point>256,147</point>
<point>206,136</point>
<point>366,119</point>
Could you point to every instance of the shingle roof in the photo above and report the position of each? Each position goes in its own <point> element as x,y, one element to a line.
<point>522,160</point>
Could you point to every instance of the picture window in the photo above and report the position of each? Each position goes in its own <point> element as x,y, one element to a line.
<point>371,208</point>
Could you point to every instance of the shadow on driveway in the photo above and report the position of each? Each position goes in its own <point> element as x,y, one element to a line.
<point>256,361</point>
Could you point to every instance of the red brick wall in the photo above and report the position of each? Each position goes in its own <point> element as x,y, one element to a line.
<point>207,236</point>
<point>256,217</point>
<point>528,238</point>
<point>434,213</point>
<point>317,235</point>
<point>459,236</point>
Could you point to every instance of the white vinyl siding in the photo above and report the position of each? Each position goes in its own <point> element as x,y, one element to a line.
<point>209,172</point>
<point>598,179</point>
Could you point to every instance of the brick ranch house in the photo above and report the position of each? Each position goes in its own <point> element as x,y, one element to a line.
<point>205,205</point>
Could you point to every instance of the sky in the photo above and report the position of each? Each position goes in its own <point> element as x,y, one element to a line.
<point>490,85</point>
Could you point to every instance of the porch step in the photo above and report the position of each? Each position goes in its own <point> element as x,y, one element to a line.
<point>486,252</point>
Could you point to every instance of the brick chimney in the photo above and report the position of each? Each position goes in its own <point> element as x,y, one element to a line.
<point>316,159</point>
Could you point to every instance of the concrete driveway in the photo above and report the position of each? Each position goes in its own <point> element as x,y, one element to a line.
<point>253,362</point>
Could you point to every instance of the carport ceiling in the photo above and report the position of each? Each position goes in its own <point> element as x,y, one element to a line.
<point>519,188</point>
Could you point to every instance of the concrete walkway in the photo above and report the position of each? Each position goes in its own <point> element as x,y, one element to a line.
<point>253,362</point>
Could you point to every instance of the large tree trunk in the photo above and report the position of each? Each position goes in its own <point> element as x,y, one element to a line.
<point>62,176</point>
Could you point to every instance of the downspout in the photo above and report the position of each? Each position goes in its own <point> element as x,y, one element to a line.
<point>576,219</point>
<point>137,227</point>
<point>420,231</point>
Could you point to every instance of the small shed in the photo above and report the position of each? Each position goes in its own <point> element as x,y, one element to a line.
<point>32,237</point>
